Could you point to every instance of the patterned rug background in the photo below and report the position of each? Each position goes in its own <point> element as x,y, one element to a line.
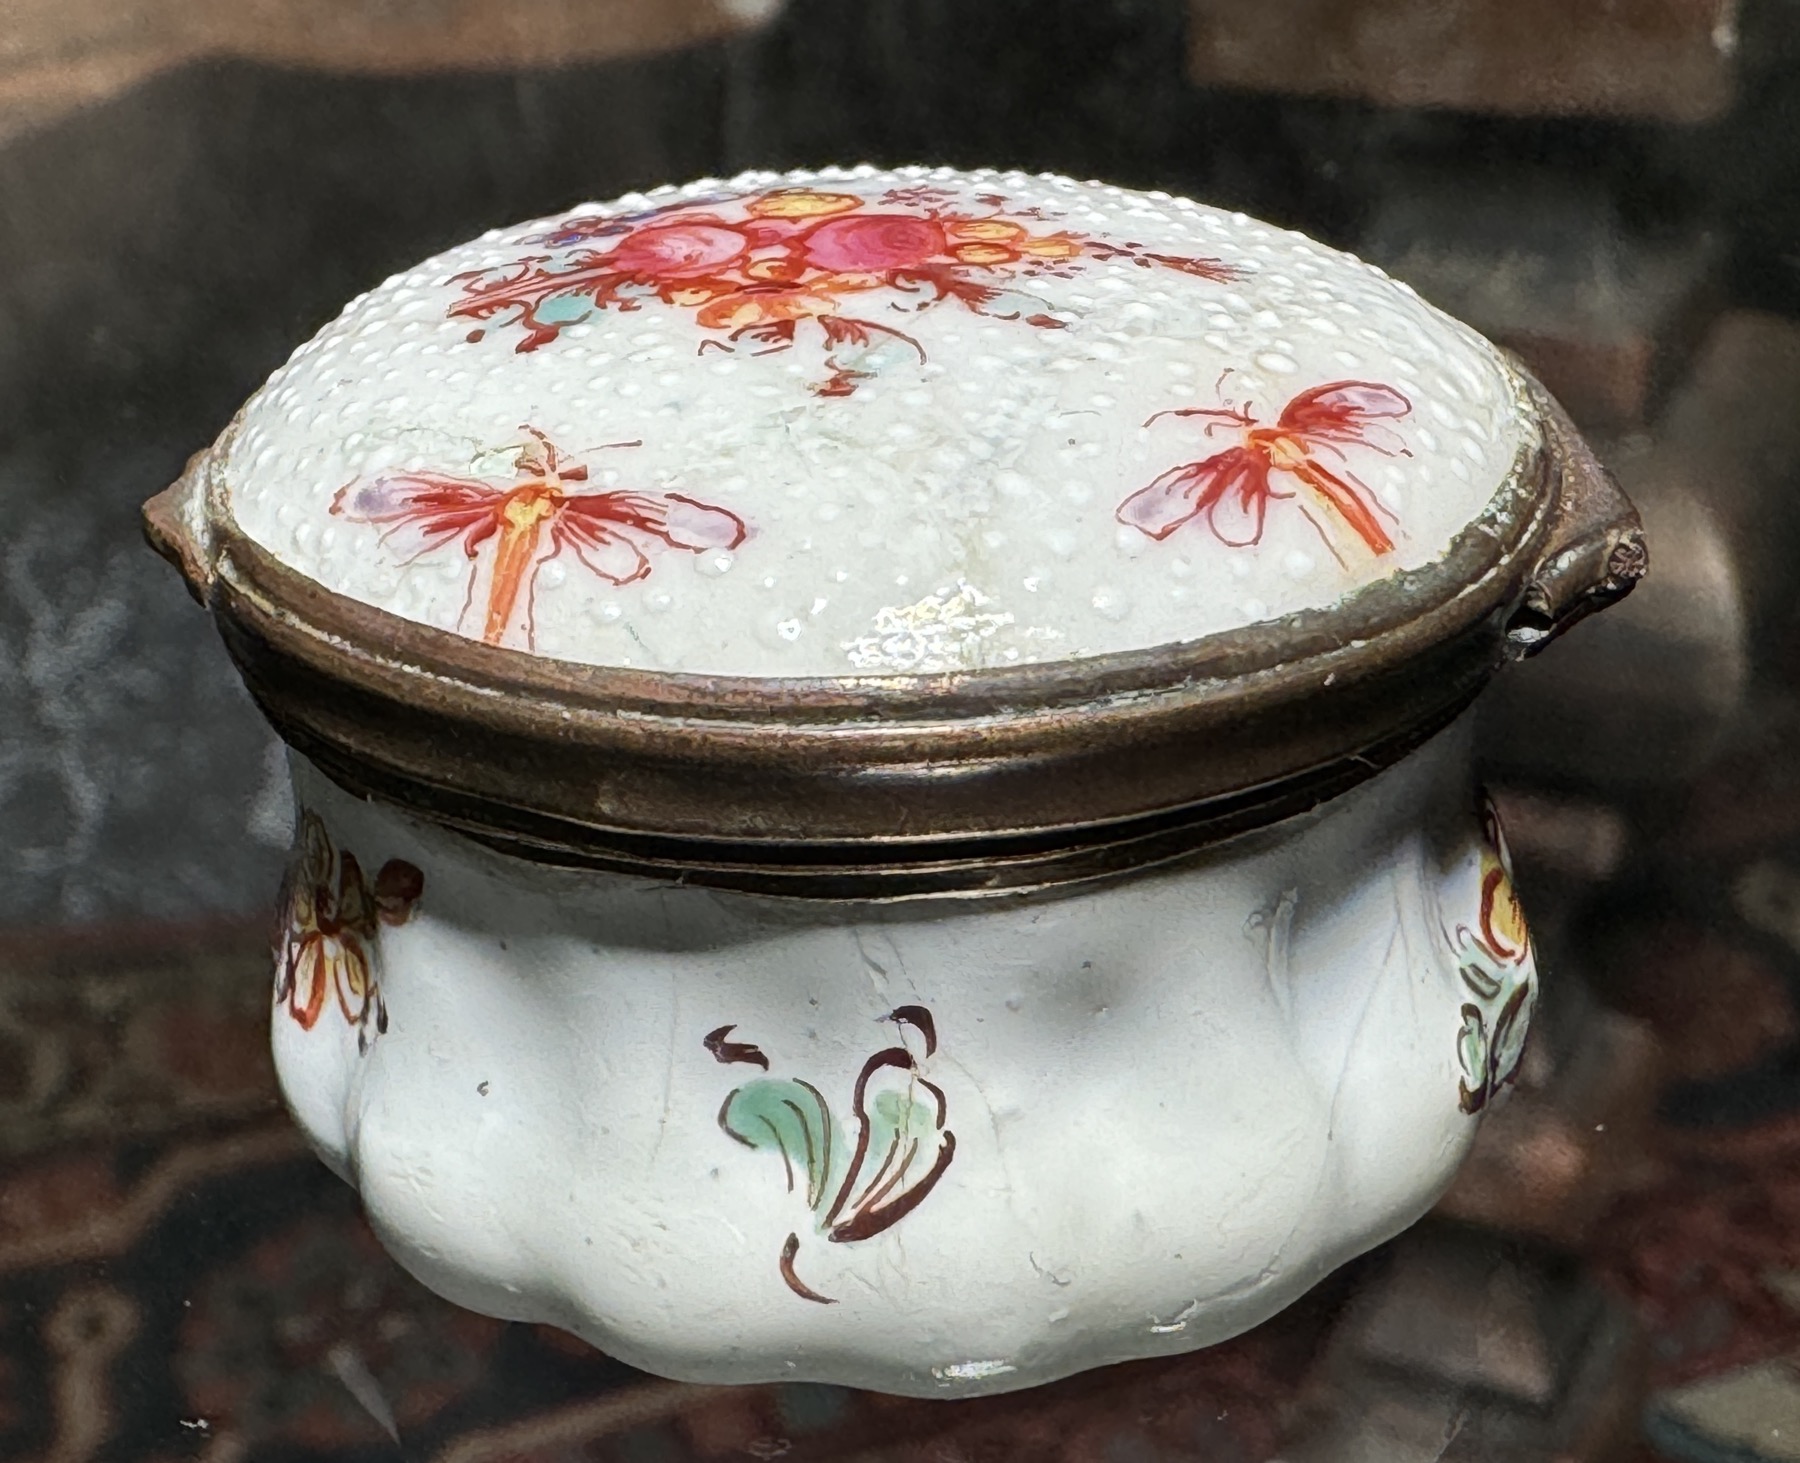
<point>180,1279</point>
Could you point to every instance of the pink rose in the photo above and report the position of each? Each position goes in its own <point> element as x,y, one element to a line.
<point>873,241</point>
<point>677,251</point>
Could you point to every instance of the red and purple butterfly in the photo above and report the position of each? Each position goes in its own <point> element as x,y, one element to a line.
<point>532,521</point>
<point>1232,489</point>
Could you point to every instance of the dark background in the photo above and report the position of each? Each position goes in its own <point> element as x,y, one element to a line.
<point>163,249</point>
<point>1609,187</point>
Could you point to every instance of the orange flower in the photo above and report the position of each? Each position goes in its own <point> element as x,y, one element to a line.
<point>751,308</point>
<point>331,918</point>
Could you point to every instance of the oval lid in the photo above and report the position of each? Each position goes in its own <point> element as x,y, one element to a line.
<point>865,532</point>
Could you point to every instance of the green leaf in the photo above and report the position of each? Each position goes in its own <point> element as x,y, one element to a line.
<point>791,1118</point>
<point>902,1148</point>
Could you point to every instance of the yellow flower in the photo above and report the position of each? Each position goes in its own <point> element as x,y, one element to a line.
<point>985,253</point>
<point>1502,919</point>
<point>1503,928</point>
<point>801,203</point>
<point>988,231</point>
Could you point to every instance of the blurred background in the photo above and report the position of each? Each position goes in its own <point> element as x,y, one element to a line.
<point>1611,188</point>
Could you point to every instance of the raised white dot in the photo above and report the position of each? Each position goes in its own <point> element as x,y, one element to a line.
<point>1013,441</point>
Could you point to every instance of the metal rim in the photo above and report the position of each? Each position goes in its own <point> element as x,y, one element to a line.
<point>898,786</point>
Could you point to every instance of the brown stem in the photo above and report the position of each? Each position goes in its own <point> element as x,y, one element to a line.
<point>794,1282</point>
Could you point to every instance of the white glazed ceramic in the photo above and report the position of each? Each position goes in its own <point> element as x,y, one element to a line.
<point>869,801</point>
<point>901,462</point>
<point>1131,1121</point>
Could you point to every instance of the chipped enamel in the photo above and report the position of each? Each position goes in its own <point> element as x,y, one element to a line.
<point>957,511</point>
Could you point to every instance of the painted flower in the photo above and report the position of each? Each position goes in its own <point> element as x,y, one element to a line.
<point>855,1191</point>
<point>801,203</point>
<point>531,521</point>
<point>678,250</point>
<point>790,256</point>
<point>1503,930</point>
<point>996,241</point>
<point>745,310</point>
<point>331,917</point>
<point>874,242</point>
<point>1498,971</point>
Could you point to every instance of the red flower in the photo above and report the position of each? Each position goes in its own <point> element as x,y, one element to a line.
<point>795,251</point>
<point>678,250</point>
<point>871,242</point>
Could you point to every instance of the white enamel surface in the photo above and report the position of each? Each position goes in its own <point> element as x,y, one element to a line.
<point>952,512</point>
<point>1176,1102</point>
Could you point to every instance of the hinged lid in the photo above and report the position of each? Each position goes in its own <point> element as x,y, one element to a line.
<point>853,521</point>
